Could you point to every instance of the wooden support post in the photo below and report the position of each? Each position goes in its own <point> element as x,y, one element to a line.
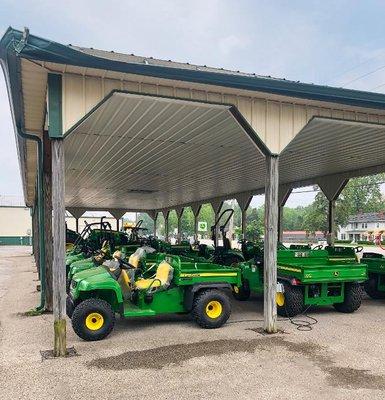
<point>47,188</point>
<point>59,273</point>
<point>270,246</point>
<point>179,213</point>
<point>117,224</point>
<point>331,223</point>
<point>36,252</point>
<point>244,214</point>
<point>166,214</point>
<point>155,220</point>
<point>196,209</point>
<point>280,224</point>
<point>77,224</point>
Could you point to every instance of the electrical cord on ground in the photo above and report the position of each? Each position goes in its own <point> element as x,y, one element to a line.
<point>301,324</point>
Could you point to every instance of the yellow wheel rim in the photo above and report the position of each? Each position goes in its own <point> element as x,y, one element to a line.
<point>214,309</point>
<point>94,321</point>
<point>280,299</point>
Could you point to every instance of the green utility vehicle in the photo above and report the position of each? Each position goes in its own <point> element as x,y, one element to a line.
<point>170,286</point>
<point>375,285</point>
<point>307,278</point>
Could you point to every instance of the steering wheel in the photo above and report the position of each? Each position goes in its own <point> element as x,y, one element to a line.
<point>358,249</point>
<point>318,247</point>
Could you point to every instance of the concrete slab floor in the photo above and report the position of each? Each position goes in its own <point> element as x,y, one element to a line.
<point>343,357</point>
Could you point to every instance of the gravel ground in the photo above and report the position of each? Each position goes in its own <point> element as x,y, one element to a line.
<point>343,357</point>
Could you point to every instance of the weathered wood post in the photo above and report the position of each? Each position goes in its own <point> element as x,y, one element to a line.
<point>77,224</point>
<point>55,130</point>
<point>331,222</point>
<point>155,220</point>
<point>47,188</point>
<point>196,209</point>
<point>270,246</point>
<point>179,213</point>
<point>117,224</point>
<point>59,278</point>
<point>166,214</point>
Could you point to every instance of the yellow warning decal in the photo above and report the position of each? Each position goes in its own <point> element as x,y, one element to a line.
<point>208,274</point>
<point>289,269</point>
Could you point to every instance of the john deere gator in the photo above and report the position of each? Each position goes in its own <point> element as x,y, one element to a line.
<point>169,286</point>
<point>308,278</point>
<point>375,285</point>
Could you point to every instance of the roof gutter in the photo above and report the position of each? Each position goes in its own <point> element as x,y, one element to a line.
<point>36,48</point>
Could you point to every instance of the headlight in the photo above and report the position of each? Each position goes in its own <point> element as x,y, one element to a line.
<point>73,284</point>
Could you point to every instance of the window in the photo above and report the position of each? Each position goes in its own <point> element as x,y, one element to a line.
<point>364,225</point>
<point>378,224</point>
<point>343,236</point>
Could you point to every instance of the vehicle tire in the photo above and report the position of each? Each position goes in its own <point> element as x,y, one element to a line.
<point>93,319</point>
<point>241,293</point>
<point>352,299</point>
<point>293,301</point>
<point>370,287</point>
<point>211,308</point>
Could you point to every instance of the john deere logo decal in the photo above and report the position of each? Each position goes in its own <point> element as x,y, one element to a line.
<point>336,273</point>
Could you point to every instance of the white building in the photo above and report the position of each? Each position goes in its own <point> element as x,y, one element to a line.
<point>362,226</point>
<point>15,221</point>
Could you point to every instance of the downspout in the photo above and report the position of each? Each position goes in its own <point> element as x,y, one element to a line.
<point>40,204</point>
<point>40,207</point>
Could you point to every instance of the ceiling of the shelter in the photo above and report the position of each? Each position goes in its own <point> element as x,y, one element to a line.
<point>328,146</point>
<point>145,152</point>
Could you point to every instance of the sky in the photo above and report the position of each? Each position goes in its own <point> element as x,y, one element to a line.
<point>339,43</point>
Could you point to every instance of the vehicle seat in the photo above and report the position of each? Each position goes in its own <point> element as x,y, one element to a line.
<point>163,277</point>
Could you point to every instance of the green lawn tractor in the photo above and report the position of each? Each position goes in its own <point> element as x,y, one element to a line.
<point>375,285</point>
<point>307,278</point>
<point>168,286</point>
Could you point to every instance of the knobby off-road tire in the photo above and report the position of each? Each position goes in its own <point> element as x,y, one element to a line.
<point>211,308</point>
<point>293,303</point>
<point>352,300</point>
<point>89,328</point>
<point>370,287</point>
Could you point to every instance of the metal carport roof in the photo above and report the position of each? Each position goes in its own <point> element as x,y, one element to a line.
<point>146,152</point>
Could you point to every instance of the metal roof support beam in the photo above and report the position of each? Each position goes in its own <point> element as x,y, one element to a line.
<point>270,245</point>
<point>117,214</point>
<point>332,188</point>
<point>179,213</point>
<point>284,192</point>
<point>244,200</point>
<point>76,212</point>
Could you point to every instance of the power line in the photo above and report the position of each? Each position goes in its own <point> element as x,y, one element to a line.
<point>363,76</point>
<point>353,68</point>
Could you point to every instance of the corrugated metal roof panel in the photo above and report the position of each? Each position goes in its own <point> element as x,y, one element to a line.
<point>145,152</point>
